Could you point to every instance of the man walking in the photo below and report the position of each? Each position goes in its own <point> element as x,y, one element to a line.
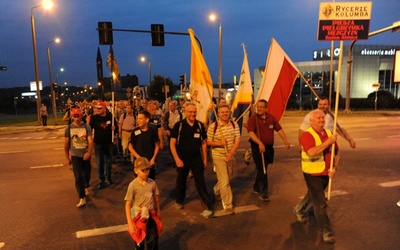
<point>315,162</point>
<point>78,147</point>
<point>261,127</point>
<point>126,125</point>
<point>101,123</point>
<point>189,149</point>
<point>223,137</point>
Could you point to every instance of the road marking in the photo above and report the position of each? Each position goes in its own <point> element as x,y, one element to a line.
<point>15,138</point>
<point>2,244</point>
<point>123,228</point>
<point>390,184</point>
<point>363,139</point>
<point>393,136</point>
<point>238,210</point>
<point>26,138</point>
<point>14,152</point>
<point>38,138</point>
<point>47,166</point>
<point>101,231</point>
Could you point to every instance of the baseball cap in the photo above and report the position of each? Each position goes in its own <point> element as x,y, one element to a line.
<point>101,105</point>
<point>76,111</point>
<point>142,163</point>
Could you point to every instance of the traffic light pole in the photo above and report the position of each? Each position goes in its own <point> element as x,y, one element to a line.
<point>149,31</point>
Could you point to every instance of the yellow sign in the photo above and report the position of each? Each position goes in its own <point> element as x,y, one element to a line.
<point>345,11</point>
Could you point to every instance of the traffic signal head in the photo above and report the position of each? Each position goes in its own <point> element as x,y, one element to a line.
<point>55,86</point>
<point>157,34</point>
<point>105,33</point>
<point>182,79</point>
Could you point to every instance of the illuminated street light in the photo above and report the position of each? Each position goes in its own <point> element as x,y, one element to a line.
<point>144,59</point>
<point>394,28</point>
<point>52,90</point>
<point>47,5</point>
<point>213,18</point>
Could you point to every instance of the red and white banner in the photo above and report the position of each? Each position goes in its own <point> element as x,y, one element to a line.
<point>278,79</point>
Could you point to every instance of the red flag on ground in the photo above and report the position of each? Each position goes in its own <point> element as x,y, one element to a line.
<point>277,83</point>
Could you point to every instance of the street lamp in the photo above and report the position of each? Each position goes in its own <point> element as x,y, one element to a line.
<point>52,90</point>
<point>47,5</point>
<point>394,27</point>
<point>213,18</point>
<point>144,59</point>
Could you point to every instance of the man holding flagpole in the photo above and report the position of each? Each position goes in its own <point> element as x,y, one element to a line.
<point>261,127</point>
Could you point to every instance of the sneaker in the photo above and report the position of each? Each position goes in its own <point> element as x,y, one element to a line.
<point>300,217</point>
<point>229,211</point>
<point>256,192</point>
<point>179,206</point>
<point>328,238</point>
<point>264,198</point>
<point>102,184</point>
<point>207,214</point>
<point>82,203</point>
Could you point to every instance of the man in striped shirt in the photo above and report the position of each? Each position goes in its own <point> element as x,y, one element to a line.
<point>223,136</point>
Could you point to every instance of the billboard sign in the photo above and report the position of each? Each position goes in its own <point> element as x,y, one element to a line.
<point>344,20</point>
<point>33,86</point>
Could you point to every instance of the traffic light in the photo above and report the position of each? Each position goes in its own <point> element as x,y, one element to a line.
<point>182,79</point>
<point>105,33</point>
<point>55,86</point>
<point>157,34</point>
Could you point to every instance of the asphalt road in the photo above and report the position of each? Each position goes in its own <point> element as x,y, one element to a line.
<point>38,198</point>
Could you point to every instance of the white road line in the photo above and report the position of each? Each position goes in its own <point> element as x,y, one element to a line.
<point>393,136</point>
<point>101,231</point>
<point>48,166</point>
<point>123,228</point>
<point>26,138</point>
<point>14,152</point>
<point>390,184</point>
<point>15,138</point>
<point>2,244</point>
<point>38,138</point>
<point>238,210</point>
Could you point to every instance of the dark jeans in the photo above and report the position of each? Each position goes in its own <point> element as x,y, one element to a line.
<point>261,183</point>
<point>103,154</point>
<point>82,170</point>
<point>316,189</point>
<point>197,167</point>
<point>44,120</point>
<point>151,240</point>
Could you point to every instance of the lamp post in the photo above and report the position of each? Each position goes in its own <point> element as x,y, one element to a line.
<point>144,59</point>
<point>213,17</point>
<point>52,90</point>
<point>46,5</point>
<point>394,27</point>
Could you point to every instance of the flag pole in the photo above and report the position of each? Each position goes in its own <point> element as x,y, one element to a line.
<point>112,91</point>
<point>335,116</point>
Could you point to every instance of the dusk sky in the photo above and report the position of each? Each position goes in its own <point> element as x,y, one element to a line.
<point>293,23</point>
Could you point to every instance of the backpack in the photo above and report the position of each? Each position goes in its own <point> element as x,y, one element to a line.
<point>216,125</point>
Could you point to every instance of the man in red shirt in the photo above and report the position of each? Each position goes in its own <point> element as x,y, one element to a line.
<point>261,127</point>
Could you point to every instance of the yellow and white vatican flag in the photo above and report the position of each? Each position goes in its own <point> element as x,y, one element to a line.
<point>201,85</point>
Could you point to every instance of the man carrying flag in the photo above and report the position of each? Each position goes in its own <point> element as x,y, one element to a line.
<point>113,66</point>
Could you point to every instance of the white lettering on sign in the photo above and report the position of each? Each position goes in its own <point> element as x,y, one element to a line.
<point>378,52</point>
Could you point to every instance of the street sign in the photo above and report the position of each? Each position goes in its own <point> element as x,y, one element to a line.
<point>3,68</point>
<point>344,21</point>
